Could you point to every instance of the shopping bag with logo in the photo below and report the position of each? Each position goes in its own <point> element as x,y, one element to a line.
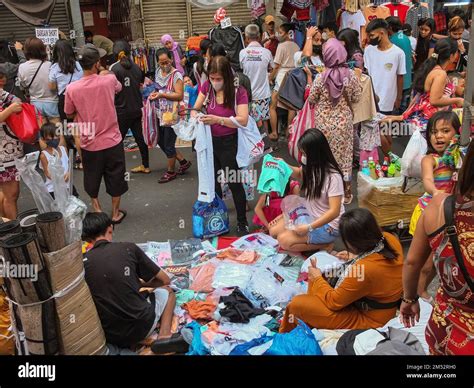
<point>24,124</point>
<point>210,219</point>
<point>250,143</point>
<point>303,121</point>
<point>295,212</point>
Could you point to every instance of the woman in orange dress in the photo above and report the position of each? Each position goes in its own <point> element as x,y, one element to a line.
<point>367,294</point>
<point>450,330</point>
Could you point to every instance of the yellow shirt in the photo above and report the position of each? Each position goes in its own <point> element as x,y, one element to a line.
<point>102,42</point>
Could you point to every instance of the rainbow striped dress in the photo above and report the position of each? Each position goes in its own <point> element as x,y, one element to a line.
<point>443,179</point>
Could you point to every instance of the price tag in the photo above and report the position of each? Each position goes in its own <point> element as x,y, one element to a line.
<point>226,23</point>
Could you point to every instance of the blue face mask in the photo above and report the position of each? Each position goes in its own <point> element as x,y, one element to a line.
<point>53,143</point>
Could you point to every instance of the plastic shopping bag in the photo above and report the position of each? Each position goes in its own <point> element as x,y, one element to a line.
<point>411,159</point>
<point>298,342</point>
<point>250,143</point>
<point>24,124</point>
<point>303,121</point>
<point>295,212</point>
<point>210,219</point>
<point>186,129</point>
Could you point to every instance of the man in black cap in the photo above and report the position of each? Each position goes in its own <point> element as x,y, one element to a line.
<point>91,101</point>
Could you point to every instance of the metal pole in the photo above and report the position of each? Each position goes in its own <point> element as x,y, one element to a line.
<point>77,26</point>
<point>468,93</point>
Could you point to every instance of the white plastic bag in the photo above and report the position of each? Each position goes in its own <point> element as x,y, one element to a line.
<point>232,275</point>
<point>250,143</point>
<point>411,159</point>
<point>295,212</point>
<point>186,129</point>
<point>365,185</point>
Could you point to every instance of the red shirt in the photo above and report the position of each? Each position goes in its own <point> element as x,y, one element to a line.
<point>399,10</point>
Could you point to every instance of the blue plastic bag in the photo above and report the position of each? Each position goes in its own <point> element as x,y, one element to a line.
<point>298,342</point>
<point>210,219</point>
<point>243,350</point>
<point>196,348</point>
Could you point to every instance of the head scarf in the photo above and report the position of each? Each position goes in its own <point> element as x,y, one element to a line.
<point>174,51</point>
<point>220,15</point>
<point>337,72</point>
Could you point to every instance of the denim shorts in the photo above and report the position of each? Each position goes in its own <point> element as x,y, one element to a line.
<point>47,109</point>
<point>323,235</point>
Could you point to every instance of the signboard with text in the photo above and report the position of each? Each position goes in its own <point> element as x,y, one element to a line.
<point>48,35</point>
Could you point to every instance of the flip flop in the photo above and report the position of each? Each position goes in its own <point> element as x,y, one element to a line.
<point>119,221</point>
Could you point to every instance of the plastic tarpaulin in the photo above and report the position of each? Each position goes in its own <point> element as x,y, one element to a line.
<point>36,12</point>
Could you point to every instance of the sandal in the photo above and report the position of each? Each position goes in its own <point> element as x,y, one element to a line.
<point>141,170</point>
<point>119,221</point>
<point>167,177</point>
<point>184,167</point>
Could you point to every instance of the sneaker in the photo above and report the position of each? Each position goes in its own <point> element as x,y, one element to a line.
<point>167,177</point>
<point>242,230</point>
<point>141,169</point>
<point>184,167</point>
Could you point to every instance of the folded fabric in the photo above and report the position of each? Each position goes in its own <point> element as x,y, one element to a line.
<point>239,256</point>
<point>232,275</point>
<point>238,308</point>
<point>201,277</point>
<point>200,310</point>
<point>184,296</point>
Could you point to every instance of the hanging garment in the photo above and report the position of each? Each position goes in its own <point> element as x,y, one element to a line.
<point>274,176</point>
<point>257,8</point>
<point>414,14</point>
<point>205,159</point>
<point>232,40</point>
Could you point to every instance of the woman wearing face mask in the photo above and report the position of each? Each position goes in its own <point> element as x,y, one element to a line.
<point>333,93</point>
<point>224,100</point>
<point>312,53</point>
<point>170,84</point>
<point>323,188</point>
<point>435,90</point>
<point>179,60</point>
<point>456,28</point>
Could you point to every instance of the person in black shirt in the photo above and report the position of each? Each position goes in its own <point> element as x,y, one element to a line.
<point>115,273</point>
<point>129,102</point>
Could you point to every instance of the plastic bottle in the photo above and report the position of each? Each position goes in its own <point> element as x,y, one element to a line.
<point>385,166</point>
<point>392,170</point>
<point>379,171</point>
<point>365,168</point>
<point>372,171</point>
<point>395,159</point>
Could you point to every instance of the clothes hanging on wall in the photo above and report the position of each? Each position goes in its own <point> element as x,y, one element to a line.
<point>414,14</point>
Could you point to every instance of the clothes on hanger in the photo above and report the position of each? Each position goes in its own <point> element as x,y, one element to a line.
<point>414,14</point>
<point>399,10</point>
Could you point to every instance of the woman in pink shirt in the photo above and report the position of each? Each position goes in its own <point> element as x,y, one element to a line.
<point>223,100</point>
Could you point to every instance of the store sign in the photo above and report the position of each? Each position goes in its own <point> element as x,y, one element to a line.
<point>226,23</point>
<point>47,35</point>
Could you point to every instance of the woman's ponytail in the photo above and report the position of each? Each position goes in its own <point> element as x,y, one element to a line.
<point>124,60</point>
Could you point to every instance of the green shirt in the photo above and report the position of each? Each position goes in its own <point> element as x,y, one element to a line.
<point>402,41</point>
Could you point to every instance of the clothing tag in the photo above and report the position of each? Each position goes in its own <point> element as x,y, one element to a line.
<point>395,13</point>
<point>225,23</point>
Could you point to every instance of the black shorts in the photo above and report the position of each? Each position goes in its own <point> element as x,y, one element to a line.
<point>108,163</point>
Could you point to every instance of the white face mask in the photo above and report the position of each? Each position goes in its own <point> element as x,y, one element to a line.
<point>303,160</point>
<point>217,85</point>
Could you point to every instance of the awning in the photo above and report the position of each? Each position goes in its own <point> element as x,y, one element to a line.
<point>212,4</point>
<point>36,12</point>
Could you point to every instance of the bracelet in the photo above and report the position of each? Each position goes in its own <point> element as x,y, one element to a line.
<point>410,301</point>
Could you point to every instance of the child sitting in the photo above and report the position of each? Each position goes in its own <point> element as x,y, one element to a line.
<point>53,144</point>
<point>269,205</point>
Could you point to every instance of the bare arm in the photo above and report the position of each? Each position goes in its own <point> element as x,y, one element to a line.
<point>427,165</point>
<point>331,214</point>
<point>274,72</point>
<point>437,97</point>
<point>176,95</point>
<point>259,210</point>
<point>44,164</point>
<point>14,107</point>
<point>161,279</point>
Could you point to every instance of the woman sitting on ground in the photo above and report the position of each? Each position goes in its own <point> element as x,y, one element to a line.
<point>367,293</point>
<point>324,189</point>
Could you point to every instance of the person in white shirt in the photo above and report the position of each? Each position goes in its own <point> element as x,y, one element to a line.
<point>255,62</point>
<point>284,62</point>
<point>385,63</point>
<point>353,20</point>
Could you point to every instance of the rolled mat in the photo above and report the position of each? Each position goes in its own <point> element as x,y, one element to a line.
<point>10,227</point>
<point>28,287</point>
<point>81,331</point>
<point>51,231</point>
